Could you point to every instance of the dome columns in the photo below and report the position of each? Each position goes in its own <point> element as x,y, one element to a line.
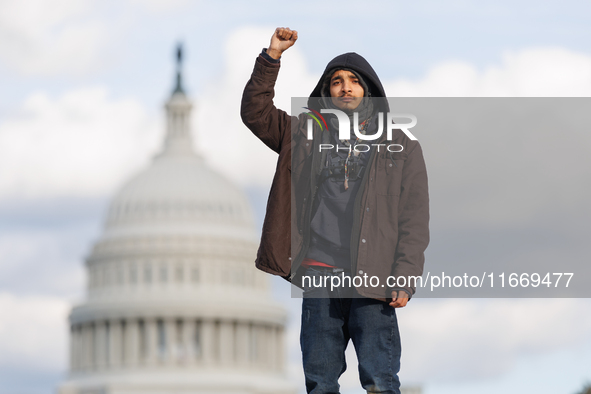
<point>156,342</point>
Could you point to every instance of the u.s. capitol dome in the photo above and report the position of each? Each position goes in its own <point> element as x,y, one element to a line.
<point>174,303</point>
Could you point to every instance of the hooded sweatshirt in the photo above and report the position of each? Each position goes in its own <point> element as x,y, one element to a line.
<point>332,216</point>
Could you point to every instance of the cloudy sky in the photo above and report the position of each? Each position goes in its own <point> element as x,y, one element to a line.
<point>82,88</point>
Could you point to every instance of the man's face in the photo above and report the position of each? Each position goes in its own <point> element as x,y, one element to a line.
<point>345,90</point>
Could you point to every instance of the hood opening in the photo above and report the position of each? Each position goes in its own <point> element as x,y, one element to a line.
<point>356,62</point>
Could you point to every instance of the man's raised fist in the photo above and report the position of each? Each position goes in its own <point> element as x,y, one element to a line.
<point>282,39</point>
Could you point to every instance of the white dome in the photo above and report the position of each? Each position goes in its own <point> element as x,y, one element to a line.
<point>180,194</point>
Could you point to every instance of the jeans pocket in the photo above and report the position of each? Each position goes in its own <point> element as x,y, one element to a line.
<point>312,283</point>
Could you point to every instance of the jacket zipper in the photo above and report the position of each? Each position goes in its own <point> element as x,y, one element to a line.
<point>356,230</point>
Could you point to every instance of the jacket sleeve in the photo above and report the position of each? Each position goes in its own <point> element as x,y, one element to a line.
<point>270,124</point>
<point>413,220</point>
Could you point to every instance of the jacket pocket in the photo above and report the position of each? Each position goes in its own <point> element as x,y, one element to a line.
<point>389,172</point>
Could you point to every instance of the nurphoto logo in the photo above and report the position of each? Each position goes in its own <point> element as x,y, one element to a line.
<point>345,128</point>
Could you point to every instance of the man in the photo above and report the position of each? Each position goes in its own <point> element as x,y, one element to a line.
<point>352,213</point>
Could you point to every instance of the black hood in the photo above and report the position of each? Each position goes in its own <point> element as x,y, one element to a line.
<point>357,63</point>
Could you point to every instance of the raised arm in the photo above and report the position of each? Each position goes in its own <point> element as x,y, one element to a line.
<point>258,112</point>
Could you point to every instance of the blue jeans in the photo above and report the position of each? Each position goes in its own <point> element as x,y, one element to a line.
<point>329,320</point>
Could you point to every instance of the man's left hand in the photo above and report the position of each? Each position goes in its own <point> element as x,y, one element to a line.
<point>399,299</point>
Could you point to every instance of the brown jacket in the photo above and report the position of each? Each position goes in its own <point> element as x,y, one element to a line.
<point>391,220</point>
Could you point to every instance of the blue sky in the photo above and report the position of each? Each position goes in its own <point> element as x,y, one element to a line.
<point>82,88</point>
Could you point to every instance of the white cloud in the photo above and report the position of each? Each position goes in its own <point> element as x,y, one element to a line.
<point>82,143</point>
<point>535,72</point>
<point>460,340</point>
<point>39,37</point>
<point>490,161</point>
<point>33,333</point>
